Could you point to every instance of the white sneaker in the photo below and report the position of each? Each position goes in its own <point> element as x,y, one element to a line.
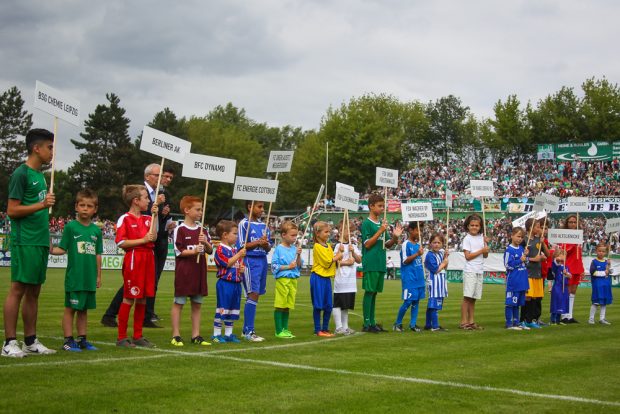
<point>340,331</point>
<point>12,350</point>
<point>252,337</point>
<point>591,321</point>
<point>37,348</point>
<point>349,331</point>
<point>604,322</point>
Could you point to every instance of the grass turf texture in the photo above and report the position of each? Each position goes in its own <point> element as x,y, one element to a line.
<point>361,373</point>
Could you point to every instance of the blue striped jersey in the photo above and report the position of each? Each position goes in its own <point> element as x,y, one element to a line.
<point>438,286</point>
<point>221,257</point>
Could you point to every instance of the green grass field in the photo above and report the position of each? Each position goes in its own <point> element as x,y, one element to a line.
<point>557,369</point>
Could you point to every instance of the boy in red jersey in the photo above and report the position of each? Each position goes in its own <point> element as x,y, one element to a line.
<point>134,235</point>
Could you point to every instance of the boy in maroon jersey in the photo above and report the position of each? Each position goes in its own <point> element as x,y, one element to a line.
<point>134,235</point>
<point>190,272</point>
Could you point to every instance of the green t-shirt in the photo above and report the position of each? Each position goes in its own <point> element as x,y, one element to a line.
<point>29,187</point>
<point>82,244</point>
<point>373,259</point>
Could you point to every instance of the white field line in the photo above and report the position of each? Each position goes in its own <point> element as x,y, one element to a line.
<point>162,353</point>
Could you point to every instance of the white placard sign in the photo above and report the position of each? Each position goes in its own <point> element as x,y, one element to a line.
<point>577,204</point>
<point>56,103</point>
<point>386,178</point>
<point>520,222</point>
<point>481,188</point>
<point>552,203</point>
<point>164,145</point>
<point>448,198</point>
<point>417,211</point>
<point>205,167</point>
<point>561,236</point>
<point>539,203</point>
<point>612,225</point>
<point>347,186</point>
<point>280,161</point>
<point>257,189</point>
<point>346,198</point>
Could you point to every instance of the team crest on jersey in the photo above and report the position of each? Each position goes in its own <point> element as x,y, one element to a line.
<point>135,291</point>
<point>42,195</point>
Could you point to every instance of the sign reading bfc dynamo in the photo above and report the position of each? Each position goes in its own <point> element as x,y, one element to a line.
<point>280,161</point>
<point>560,236</point>
<point>257,189</point>
<point>481,188</point>
<point>56,103</point>
<point>164,145</point>
<point>205,167</point>
<point>417,211</point>
<point>386,178</point>
<point>346,198</point>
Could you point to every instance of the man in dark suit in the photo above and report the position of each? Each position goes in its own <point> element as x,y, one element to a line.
<point>165,224</point>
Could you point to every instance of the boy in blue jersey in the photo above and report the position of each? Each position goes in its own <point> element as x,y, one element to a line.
<point>515,259</point>
<point>254,236</point>
<point>600,270</point>
<point>412,277</point>
<point>286,268</point>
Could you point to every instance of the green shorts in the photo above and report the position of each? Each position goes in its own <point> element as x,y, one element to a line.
<point>373,281</point>
<point>29,264</point>
<point>80,300</point>
<point>286,290</point>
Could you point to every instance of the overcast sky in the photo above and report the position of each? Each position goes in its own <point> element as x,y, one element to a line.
<point>286,62</point>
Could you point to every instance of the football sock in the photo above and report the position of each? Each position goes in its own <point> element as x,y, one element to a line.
<point>373,304</point>
<point>285,320</point>
<point>414,313</point>
<point>603,311</point>
<point>571,303</point>
<point>592,311</point>
<point>402,311</point>
<point>138,319</point>
<point>337,318</point>
<point>367,303</point>
<point>228,328</point>
<point>249,315</point>
<point>277,317</point>
<point>123,318</point>
<point>508,314</point>
<point>345,318</point>
<point>435,319</point>
<point>515,315</point>
<point>217,326</point>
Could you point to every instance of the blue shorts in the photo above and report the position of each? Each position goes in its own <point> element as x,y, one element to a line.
<point>435,303</point>
<point>515,298</point>
<point>255,280</point>
<point>414,293</point>
<point>228,300</point>
<point>321,292</point>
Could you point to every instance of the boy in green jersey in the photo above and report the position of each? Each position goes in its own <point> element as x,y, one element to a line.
<point>83,243</point>
<point>373,258</point>
<point>27,208</point>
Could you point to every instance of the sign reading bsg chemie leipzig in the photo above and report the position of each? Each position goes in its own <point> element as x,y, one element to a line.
<point>164,145</point>
<point>417,211</point>
<point>257,189</point>
<point>205,167</point>
<point>481,188</point>
<point>558,236</point>
<point>280,161</point>
<point>577,204</point>
<point>612,225</point>
<point>386,178</point>
<point>346,198</point>
<point>56,103</point>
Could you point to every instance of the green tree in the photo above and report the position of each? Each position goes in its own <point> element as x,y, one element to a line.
<point>600,110</point>
<point>15,122</point>
<point>557,118</point>
<point>445,138</point>
<point>513,136</point>
<point>106,156</point>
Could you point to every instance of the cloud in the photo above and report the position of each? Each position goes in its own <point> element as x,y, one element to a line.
<point>286,62</point>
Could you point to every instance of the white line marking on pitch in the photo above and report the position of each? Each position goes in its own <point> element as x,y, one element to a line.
<point>162,353</point>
